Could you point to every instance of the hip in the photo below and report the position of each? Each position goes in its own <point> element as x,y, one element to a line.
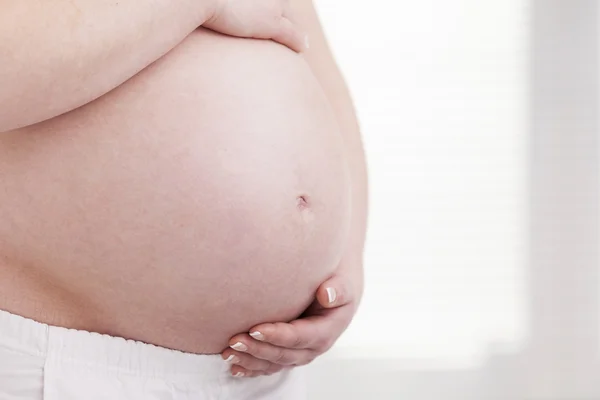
<point>38,362</point>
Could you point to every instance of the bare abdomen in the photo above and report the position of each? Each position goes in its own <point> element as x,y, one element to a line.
<point>207,194</point>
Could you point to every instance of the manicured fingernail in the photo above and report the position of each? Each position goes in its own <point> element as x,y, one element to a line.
<point>306,42</point>
<point>232,359</point>
<point>239,346</point>
<point>331,295</point>
<point>239,374</point>
<point>257,335</point>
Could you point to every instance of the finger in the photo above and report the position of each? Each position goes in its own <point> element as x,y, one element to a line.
<point>241,372</point>
<point>288,11</point>
<point>335,292</point>
<point>316,333</point>
<point>245,360</point>
<point>289,35</point>
<point>289,335</point>
<point>269,352</point>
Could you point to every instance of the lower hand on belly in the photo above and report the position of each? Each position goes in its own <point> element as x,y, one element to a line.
<point>270,347</point>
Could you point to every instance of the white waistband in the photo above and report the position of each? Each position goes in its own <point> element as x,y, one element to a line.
<point>104,351</point>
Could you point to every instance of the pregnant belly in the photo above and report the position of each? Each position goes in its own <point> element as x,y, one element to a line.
<point>207,194</point>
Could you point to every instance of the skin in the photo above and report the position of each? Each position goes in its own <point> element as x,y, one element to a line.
<point>282,344</point>
<point>268,348</point>
<point>85,51</point>
<point>170,139</point>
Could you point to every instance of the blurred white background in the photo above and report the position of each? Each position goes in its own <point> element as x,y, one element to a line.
<point>479,120</point>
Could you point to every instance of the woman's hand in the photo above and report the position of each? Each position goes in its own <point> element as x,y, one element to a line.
<point>260,19</point>
<point>270,347</point>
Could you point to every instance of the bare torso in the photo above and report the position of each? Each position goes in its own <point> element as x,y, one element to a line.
<point>207,194</point>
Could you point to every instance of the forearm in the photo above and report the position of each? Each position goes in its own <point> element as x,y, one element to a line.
<point>58,55</point>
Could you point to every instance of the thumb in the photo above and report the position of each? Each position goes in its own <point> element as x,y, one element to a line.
<point>289,35</point>
<point>334,292</point>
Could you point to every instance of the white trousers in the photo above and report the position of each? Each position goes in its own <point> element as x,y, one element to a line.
<point>42,362</point>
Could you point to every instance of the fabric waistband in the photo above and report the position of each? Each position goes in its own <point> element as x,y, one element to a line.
<point>105,352</point>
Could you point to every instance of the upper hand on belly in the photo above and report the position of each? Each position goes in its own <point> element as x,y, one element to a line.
<point>270,19</point>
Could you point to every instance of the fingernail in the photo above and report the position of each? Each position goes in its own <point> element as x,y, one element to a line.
<point>257,335</point>
<point>239,374</point>
<point>306,42</point>
<point>232,359</point>
<point>239,346</point>
<point>331,295</point>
